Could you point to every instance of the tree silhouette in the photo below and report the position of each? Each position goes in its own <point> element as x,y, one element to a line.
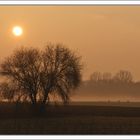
<point>7,91</point>
<point>96,77</point>
<point>60,72</point>
<point>41,73</point>
<point>123,77</point>
<point>22,69</point>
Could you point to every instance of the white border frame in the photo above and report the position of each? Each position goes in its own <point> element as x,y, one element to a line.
<point>67,2</point>
<point>69,137</point>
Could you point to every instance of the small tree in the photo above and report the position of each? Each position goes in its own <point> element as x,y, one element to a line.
<point>7,91</point>
<point>96,77</point>
<point>40,74</point>
<point>123,77</point>
<point>22,69</point>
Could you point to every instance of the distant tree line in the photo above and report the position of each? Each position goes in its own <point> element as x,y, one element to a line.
<point>122,76</point>
<point>107,85</point>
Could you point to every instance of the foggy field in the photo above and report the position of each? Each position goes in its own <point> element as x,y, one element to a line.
<point>72,119</point>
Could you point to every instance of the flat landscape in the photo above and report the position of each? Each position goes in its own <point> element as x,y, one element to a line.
<point>71,119</point>
<point>86,57</point>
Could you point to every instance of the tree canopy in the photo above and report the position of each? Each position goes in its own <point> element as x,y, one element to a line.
<point>39,74</point>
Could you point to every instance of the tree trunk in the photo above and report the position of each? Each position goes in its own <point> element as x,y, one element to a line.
<point>45,98</point>
<point>38,109</point>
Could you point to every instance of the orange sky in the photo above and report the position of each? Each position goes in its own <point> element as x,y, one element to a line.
<point>107,37</point>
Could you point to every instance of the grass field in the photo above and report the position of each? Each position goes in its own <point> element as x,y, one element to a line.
<point>72,119</point>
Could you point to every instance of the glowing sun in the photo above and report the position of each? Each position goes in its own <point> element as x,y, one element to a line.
<point>17,31</point>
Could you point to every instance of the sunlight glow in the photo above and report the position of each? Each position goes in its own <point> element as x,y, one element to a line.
<point>17,31</point>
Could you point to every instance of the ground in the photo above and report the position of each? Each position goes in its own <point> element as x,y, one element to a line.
<point>74,119</point>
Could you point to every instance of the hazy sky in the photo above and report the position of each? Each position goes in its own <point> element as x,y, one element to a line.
<point>107,37</point>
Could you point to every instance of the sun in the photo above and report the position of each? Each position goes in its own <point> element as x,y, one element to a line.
<point>17,30</point>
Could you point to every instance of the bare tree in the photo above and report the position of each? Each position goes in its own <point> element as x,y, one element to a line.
<point>40,74</point>
<point>22,68</point>
<point>7,91</point>
<point>96,76</point>
<point>61,72</point>
<point>123,76</point>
